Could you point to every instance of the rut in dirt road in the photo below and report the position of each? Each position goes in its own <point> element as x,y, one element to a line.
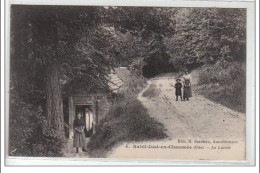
<point>198,117</point>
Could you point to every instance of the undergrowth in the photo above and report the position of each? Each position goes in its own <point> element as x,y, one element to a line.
<point>224,84</point>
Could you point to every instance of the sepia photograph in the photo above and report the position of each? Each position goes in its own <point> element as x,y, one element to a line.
<point>127,82</point>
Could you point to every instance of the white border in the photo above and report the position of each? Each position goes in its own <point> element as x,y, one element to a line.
<point>159,3</point>
<point>147,3</point>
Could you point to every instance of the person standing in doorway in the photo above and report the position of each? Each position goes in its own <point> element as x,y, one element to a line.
<point>79,140</point>
<point>187,86</point>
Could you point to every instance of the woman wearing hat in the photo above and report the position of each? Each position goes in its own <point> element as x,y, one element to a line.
<point>187,86</point>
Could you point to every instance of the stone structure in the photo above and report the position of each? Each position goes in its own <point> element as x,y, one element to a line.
<point>96,103</point>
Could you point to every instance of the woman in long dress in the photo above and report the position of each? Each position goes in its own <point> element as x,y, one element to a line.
<point>79,134</point>
<point>187,86</point>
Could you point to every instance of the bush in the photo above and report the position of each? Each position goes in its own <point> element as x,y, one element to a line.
<point>133,82</point>
<point>29,134</point>
<point>225,83</point>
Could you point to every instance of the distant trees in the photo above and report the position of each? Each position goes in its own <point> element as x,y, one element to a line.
<point>204,36</point>
<point>174,39</point>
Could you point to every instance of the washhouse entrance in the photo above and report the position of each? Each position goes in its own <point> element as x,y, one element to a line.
<point>87,112</point>
<point>87,105</point>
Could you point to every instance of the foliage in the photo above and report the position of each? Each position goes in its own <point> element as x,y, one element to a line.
<point>150,41</point>
<point>146,27</point>
<point>225,83</point>
<point>204,36</point>
<point>136,66</point>
<point>29,133</point>
<point>54,55</point>
<point>56,35</point>
<point>132,83</point>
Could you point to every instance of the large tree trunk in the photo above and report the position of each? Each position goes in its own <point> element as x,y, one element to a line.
<point>54,107</point>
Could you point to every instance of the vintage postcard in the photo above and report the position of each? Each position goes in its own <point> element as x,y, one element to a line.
<point>121,81</point>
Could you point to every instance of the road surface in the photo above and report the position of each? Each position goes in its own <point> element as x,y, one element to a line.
<point>198,119</point>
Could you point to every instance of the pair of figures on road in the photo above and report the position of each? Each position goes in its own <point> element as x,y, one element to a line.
<point>186,87</point>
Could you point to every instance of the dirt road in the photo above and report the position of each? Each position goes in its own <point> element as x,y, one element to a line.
<point>198,118</point>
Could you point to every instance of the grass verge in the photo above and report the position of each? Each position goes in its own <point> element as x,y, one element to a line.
<point>235,101</point>
<point>224,85</point>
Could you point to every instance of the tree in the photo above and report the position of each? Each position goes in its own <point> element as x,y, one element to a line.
<point>49,37</point>
<point>204,36</point>
<point>146,28</point>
